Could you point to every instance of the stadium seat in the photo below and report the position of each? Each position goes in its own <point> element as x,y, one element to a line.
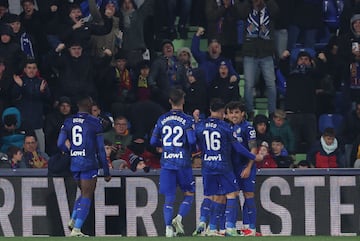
<point>330,120</point>
<point>299,157</point>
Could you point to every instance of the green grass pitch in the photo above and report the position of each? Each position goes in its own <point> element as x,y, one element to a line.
<point>267,238</point>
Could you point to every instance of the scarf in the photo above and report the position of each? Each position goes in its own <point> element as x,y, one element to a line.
<point>328,148</point>
<point>26,45</point>
<point>258,24</point>
<point>123,80</point>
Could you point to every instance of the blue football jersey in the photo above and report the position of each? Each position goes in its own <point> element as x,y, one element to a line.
<point>84,132</point>
<point>214,138</point>
<point>244,133</point>
<point>175,134</point>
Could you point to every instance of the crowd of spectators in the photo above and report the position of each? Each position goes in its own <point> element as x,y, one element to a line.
<point>306,53</point>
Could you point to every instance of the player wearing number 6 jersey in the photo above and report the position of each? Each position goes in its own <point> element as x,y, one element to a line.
<point>216,141</point>
<point>175,135</point>
<point>81,137</point>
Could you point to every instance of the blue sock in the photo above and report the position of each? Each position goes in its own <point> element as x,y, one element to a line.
<point>82,212</point>
<point>168,209</point>
<point>251,212</point>
<point>245,215</point>
<point>76,206</point>
<point>231,212</point>
<point>186,205</point>
<point>215,213</point>
<point>205,210</point>
<point>222,217</point>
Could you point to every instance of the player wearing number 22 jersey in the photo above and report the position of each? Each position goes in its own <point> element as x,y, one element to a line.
<point>174,134</point>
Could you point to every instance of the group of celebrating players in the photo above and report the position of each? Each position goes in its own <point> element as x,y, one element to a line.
<point>228,151</point>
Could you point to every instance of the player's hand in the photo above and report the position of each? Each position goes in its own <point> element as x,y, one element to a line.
<point>107,178</point>
<point>245,173</point>
<point>259,157</point>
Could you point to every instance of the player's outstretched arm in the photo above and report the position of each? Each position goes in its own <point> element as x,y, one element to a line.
<point>102,156</point>
<point>242,150</point>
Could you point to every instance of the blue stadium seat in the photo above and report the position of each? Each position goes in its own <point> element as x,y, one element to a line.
<point>330,120</point>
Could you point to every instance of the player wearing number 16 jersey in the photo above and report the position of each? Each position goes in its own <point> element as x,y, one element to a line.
<point>216,141</point>
<point>175,135</point>
<point>81,137</point>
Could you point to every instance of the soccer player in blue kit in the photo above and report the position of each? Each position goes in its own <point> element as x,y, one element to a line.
<point>244,168</point>
<point>174,133</point>
<point>216,142</point>
<point>81,137</point>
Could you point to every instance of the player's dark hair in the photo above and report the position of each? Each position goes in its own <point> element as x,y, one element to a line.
<point>216,104</point>
<point>84,103</point>
<point>233,105</point>
<point>176,95</point>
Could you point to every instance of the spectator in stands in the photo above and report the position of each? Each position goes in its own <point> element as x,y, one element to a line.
<point>221,87</point>
<point>331,78</point>
<point>307,18</point>
<point>258,49</point>
<point>119,135</point>
<point>31,94</point>
<point>22,38</point>
<point>350,8</point>
<point>4,8</point>
<point>222,25</point>
<point>33,157</point>
<point>355,153</point>
<point>349,56</point>
<point>325,153</point>
<point>75,28</point>
<point>141,86</point>
<point>15,157</point>
<point>350,129</point>
<point>300,100</point>
<point>112,40</point>
<point>53,122</point>
<point>142,150</point>
<point>304,164</point>
<point>210,61</point>
<point>262,127</point>
<point>6,85</point>
<point>11,133</point>
<point>268,161</point>
<point>280,154</point>
<point>281,26</point>
<point>183,7</point>
<point>134,20</point>
<point>33,24</point>
<point>77,71</point>
<point>10,50</point>
<point>279,126</point>
<point>166,72</point>
<point>105,118</point>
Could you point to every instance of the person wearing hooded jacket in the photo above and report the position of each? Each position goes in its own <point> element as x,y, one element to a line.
<point>349,56</point>
<point>11,134</point>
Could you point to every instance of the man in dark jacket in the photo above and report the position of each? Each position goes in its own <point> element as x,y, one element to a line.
<point>53,123</point>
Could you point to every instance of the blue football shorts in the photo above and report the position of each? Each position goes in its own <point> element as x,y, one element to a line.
<point>219,184</point>
<point>170,179</point>
<point>87,175</point>
<point>247,184</point>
